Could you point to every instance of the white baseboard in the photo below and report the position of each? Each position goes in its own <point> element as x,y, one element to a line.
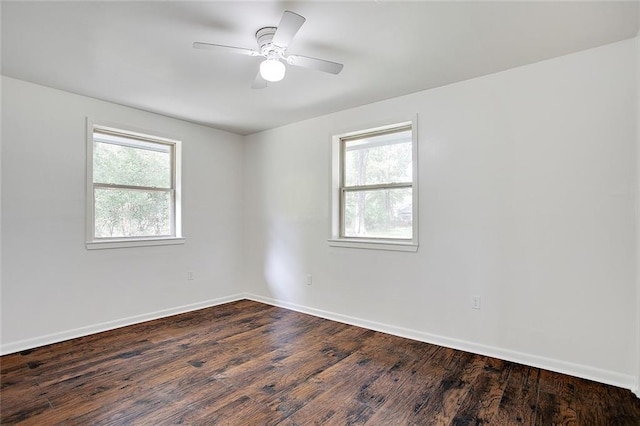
<point>48,339</point>
<point>578,370</point>
<point>572,369</point>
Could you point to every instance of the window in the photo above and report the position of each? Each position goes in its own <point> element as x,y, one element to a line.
<point>133,189</point>
<point>375,188</point>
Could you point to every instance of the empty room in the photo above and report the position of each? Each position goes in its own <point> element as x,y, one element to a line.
<point>320,212</point>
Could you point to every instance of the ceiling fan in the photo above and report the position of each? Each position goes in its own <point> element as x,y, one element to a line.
<point>272,45</point>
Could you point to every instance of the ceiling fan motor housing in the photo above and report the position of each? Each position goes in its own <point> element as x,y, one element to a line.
<point>264,37</point>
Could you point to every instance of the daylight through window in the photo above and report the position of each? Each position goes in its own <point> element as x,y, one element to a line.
<point>133,186</point>
<point>376,185</point>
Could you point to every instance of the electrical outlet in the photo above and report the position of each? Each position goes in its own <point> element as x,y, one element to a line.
<point>190,275</point>
<point>475,302</point>
<point>309,279</point>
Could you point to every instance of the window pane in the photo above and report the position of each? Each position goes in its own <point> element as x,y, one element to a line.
<point>378,159</point>
<point>132,213</point>
<point>384,213</point>
<point>128,165</point>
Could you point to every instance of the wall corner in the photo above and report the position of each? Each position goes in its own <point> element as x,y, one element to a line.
<point>636,389</point>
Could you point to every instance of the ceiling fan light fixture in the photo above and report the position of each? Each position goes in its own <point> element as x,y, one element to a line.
<point>272,70</point>
<point>272,46</point>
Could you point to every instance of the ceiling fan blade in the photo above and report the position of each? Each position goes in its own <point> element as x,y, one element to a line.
<point>288,27</point>
<point>315,64</point>
<point>259,82</point>
<point>225,49</point>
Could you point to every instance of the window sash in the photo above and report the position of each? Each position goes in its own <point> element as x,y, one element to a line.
<point>132,187</point>
<point>134,140</point>
<point>344,150</point>
<point>377,186</point>
<point>382,132</point>
<point>362,188</point>
<point>108,135</point>
<point>170,149</point>
<point>172,212</point>
<point>367,188</point>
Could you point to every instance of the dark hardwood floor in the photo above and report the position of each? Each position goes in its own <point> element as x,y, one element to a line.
<point>247,363</point>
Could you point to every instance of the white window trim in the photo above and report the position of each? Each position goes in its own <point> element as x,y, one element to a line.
<point>108,243</point>
<point>335,240</point>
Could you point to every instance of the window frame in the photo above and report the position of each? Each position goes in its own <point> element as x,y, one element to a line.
<point>175,190</point>
<point>338,189</point>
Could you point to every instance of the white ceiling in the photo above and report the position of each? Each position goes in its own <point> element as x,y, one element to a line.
<point>139,53</point>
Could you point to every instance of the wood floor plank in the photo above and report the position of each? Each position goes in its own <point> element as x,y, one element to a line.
<point>443,404</point>
<point>286,369</point>
<point>249,363</point>
<point>22,400</point>
<point>482,401</point>
<point>340,390</point>
<point>403,389</point>
<point>518,404</point>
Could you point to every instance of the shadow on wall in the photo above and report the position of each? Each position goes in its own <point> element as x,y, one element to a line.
<point>282,262</point>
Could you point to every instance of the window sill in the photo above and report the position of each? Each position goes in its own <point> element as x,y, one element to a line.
<point>110,244</point>
<point>374,244</point>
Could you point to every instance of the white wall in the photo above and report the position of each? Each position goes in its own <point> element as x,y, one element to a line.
<point>52,286</point>
<point>526,198</point>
